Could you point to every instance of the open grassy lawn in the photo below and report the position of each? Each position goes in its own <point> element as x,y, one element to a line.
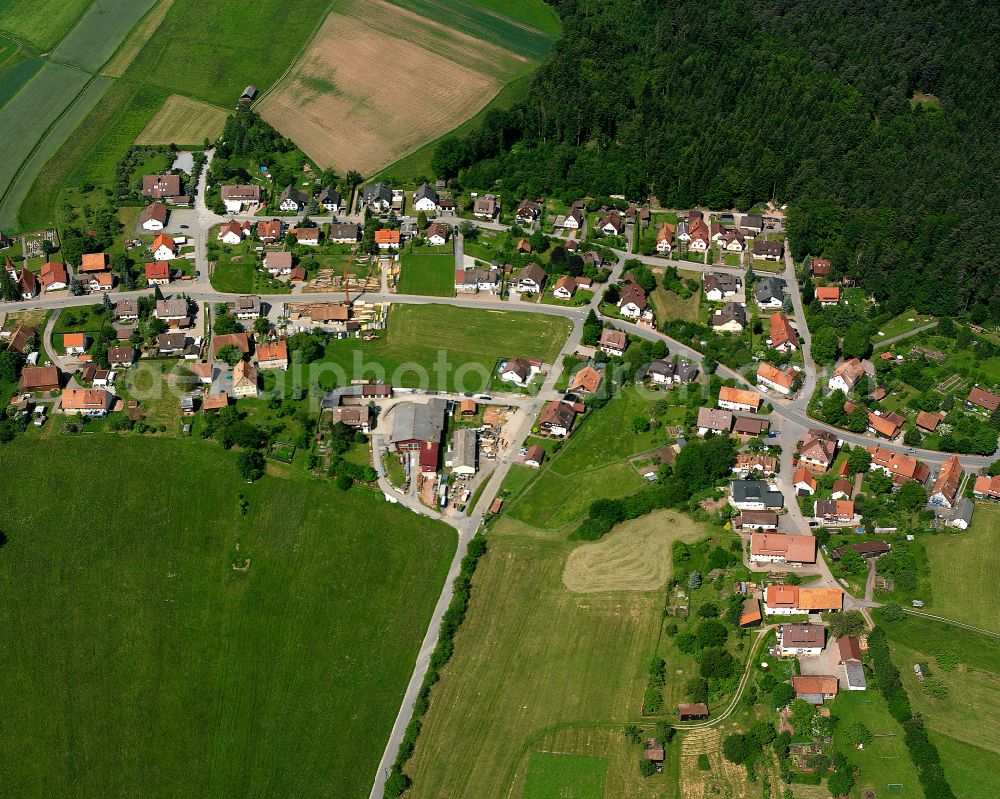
<point>669,305</point>
<point>446,348</point>
<point>205,52</point>
<point>551,776</point>
<point>592,464</point>
<point>138,662</point>
<point>968,720</point>
<point>537,668</point>
<point>963,767</point>
<point>965,570</point>
<point>904,323</point>
<point>490,21</point>
<point>887,761</point>
<point>233,278</point>
<point>428,273</point>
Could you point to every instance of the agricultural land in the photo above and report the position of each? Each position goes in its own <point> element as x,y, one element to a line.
<point>345,114</point>
<point>182,120</point>
<point>164,669</point>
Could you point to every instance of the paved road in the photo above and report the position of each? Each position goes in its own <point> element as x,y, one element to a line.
<point>892,340</point>
<point>789,414</point>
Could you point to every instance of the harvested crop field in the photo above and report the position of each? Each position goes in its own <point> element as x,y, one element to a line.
<point>182,120</point>
<point>635,556</point>
<point>361,97</point>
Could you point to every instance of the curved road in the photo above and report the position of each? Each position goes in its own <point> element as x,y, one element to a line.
<point>791,414</point>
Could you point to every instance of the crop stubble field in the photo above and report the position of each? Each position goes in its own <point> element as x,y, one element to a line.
<point>138,662</point>
<point>379,81</point>
<point>182,120</point>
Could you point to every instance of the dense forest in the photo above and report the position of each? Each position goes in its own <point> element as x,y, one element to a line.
<point>877,124</point>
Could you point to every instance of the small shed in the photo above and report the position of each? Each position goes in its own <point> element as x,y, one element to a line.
<point>653,751</point>
<point>693,712</point>
<point>496,505</point>
<point>248,94</point>
<point>468,407</point>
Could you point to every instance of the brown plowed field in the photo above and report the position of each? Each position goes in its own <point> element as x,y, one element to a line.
<point>361,96</point>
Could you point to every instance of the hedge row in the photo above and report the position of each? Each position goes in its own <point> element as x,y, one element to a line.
<point>398,781</point>
<point>604,514</point>
<point>924,754</point>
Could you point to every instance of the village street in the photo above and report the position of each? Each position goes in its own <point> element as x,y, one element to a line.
<point>789,416</point>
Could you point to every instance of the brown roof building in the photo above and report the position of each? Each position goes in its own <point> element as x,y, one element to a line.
<point>782,548</point>
<point>984,399</point>
<point>39,378</point>
<point>161,186</point>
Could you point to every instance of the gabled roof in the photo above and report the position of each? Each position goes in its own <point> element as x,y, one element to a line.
<point>154,211</point>
<point>782,331</point>
<point>158,270</point>
<point>929,421</point>
<point>739,396</point>
<point>425,191</point>
<point>162,240</point>
<point>984,399</point>
<point>948,479</point>
<point>586,379</point>
<point>849,648</point>
<point>93,262</point>
<point>715,419</point>
<point>828,293</point>
<point>774,375</point>
<point>882,425</point>
<point>796,548</point>
<point>811,684</point>
<point>804,476</point>
<point>54,273</point>
<point>532,272</point>
<point>272,351</point>
<point>557,413</point>
<point>633,293</point>
<point>614,339</point>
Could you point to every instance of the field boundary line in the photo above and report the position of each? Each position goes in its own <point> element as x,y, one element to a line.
<point>45,134</point>
<point>128,35</point>
<point>298,56</point>
<point>946,620</point>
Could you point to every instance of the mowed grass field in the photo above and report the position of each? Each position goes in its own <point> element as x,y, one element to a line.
<point>428,273</point>
<point>182,120</point>
<point>522,26</point>
<point>344,114</point>
<point>465,343</point>
<point>97,34</point>
<point>551,776</point>
<point>41,22</point>
<point>592,464</point>
<point>636,556</point>
<point>532,658</point>
<point>887,761</point>
<point>965,570</point>
<point>138,662</point>
<point>967,722</point>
